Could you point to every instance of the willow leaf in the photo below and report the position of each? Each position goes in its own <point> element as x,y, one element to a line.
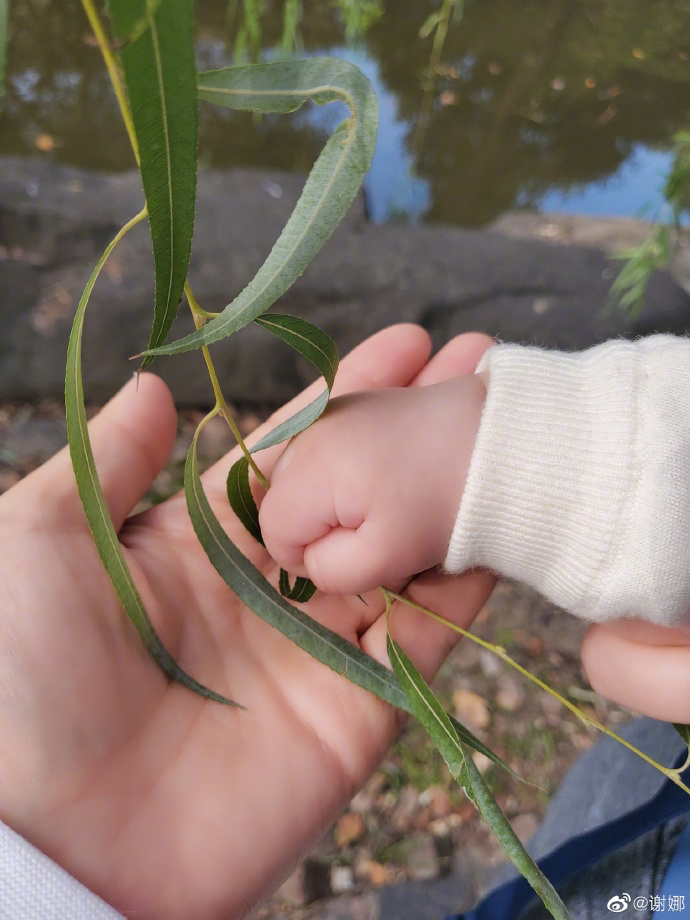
<point>442,732</point>
<point>241,498</point>
<point>247,582</point>
<point>306,338</point>
<point>332,184</point>
<point>293,425</point>
<point>160,75</point>
<point>92,498</point>
<point>320,349</point>
<point>302,591</point>
<point>243,504</point>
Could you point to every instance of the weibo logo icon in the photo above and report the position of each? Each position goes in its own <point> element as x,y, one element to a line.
<point>619,903</point>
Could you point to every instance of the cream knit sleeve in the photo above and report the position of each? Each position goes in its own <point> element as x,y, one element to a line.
<point>579,483</point>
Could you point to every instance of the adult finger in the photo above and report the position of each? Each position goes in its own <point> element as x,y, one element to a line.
<point>132,437</point>
<point>457,599</point>
<point>649,633</point>
<point>653,680</point>
<point>459,356</point>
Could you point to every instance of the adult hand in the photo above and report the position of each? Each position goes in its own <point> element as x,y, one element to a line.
<point>641,666</point>
<point>164,803</point>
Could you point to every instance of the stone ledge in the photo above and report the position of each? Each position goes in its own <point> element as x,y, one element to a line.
<point>55,222</point>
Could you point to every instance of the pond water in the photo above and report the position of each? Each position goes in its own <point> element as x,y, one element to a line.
<point>565,105</point>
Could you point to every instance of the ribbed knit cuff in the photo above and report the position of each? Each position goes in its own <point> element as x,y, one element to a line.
<point>564,492</point>
<point>33,887</point>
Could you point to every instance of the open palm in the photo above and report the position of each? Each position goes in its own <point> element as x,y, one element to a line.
<point>166,804</point>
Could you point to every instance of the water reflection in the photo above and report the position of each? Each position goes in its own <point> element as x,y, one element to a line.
<point>566,104</point>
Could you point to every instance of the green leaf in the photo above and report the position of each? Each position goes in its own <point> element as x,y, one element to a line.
<point>241,498</point>
<point>3,43</point>
<point>93,500</point>
<point>296,423</point>
<point>306,338</point>
<point>302,590</point>
<point>319,348</point>
<point>261,597</point>
<point>160,75</point>
<point>329,190</point>
<point>442,732</point>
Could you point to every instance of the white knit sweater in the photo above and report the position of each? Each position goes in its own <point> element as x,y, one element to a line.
<point>579,483</point>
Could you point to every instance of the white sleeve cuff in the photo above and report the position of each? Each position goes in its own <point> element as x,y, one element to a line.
<point>33,887</point>
<point>579,483</point>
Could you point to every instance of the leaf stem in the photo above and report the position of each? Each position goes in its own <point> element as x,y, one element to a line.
<point>113,72</point>
<point>206,418</point>
<point>199,316</point>
<point>500,652</point>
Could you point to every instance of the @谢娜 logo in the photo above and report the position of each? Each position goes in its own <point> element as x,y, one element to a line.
<point>619,903</point>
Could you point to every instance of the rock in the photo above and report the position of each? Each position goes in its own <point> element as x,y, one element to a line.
<point>490,664</point>
<point>367,797</point>
<point>440,805</point>
<point>510,695</point>
<point>317,880</point>
<point>31,441</point>
<point>471,709</point>
<point>404,810</point>
<point>55,221</point>
<point>374,872</point>
<point>534,645</point>
<point>342,879</point>
<point>348,829</point>
<point>610,234</point>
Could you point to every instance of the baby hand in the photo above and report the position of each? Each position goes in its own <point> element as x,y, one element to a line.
<point>369,494</point>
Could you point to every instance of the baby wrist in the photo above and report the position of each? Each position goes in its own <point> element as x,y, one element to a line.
<point>579,483</point>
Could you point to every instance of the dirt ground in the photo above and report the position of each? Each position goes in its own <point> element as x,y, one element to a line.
<point>410,821</point>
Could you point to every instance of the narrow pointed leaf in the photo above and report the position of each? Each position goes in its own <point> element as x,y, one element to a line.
<point>329,190</point>
<point>160,75</point>
<point>320,349</point>
<point>259,595</point>
<point>93,500</point>
<point>442,732</point>
<point>296,423</point>
<point>243,504</point>
<point>241,498</point>
<point>306,338</point>
<point>302,590</point>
